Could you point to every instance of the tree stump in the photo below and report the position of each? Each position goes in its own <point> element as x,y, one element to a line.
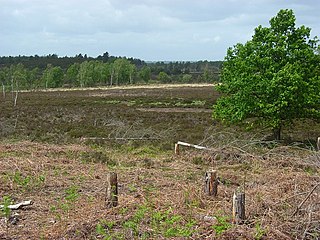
<point>176,149</point>
<point>238,208</point>
<point>112,190</point>
<point>211,183</point>
<point>318,144</point>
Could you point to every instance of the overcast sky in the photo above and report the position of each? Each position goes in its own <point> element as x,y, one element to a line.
<point>179,30</point>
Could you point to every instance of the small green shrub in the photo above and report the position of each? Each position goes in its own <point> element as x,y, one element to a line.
<point>259,231</point>
<point>6,211</point>
<point>222,225</point>
<point>72,193</point>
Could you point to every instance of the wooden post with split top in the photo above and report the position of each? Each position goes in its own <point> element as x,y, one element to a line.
<point>112,190</point>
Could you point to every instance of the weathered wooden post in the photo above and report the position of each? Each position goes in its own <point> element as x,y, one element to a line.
<point>112,190</point>
<point>176,149</point>
<point>211,183</point>
<point>238,207</point>
<point>318,144</point>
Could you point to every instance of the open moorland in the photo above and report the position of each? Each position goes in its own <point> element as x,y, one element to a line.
<point>56,148</point>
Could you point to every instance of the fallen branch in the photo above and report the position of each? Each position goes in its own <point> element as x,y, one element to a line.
<point>177,150</point>
<point>191,145</point>
<point>304,200</point>
<point>18,205</point>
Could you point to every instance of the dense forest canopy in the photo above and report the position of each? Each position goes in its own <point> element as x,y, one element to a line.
<point>51,71</point>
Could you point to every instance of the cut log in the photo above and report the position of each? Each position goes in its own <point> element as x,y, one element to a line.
<point>211,183</point>
<point>112,190</point>
<point>238,208</point>
<point>18,205</point>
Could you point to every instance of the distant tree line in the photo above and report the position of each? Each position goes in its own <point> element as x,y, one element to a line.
<point>51,71</point>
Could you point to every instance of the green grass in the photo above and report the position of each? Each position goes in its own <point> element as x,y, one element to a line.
<point>160,222</point>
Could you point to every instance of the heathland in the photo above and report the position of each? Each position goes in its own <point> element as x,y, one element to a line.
<point>57,147</point>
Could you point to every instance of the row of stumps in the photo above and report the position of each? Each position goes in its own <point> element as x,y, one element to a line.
<point>238,199</point>
<point>210,188</point>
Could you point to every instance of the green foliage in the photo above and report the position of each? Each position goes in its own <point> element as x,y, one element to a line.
<point>20,180</point>
<point>6,211</point>
<point>72,194</point>
<point>273,78</point>
<point>163,223</point>
<point>82,71</point>
<point>53,77</point>
<point>123,71</point>
<point>259,231</point>
<point>164,77</point>
<point>222,225</point>
<point>26,182</point>
<point>145,74</point>
<point>187,78</point>
<point>66,203</point>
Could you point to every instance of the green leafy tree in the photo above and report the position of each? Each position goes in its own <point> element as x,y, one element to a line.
<point>72,74</point>
<point>105,73</point>
<point>18,75</point>
<point>86,75</point>
<point>123,71</point>
<point>131,69</point>
<point>207,75</point>
<point>145,74</point>
<point>273,78</point>
<point>53,77</point>
<point>3,79</point>
<point>164,77</point>
<point>187,78</point>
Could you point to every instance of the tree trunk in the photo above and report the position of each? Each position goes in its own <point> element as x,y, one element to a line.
<point>16,97</point>
<point>111,78</point>
<point>112,190</point>
<point>3,90</point>
<point>211,183</point>
<point>238,207</point>
<point>277,133</point>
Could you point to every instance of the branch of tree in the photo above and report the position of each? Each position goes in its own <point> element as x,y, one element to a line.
<point>18,205</point>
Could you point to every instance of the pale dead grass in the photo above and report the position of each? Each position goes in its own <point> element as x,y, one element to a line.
<point>126,87</point>
<point>174,110</point>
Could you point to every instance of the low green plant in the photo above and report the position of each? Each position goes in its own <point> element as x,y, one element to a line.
<point>72,193</point>
<point>100,230</point>
<point>171,225</point>
<point>259,231</point>
<point>161,223</point>
<point>222,225</point>
<point>20,180</point>
<point>66,203</point>
<point>197,160</point>
<point>42,178</point>
<point>103,228</point>
<point>6,211</point>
